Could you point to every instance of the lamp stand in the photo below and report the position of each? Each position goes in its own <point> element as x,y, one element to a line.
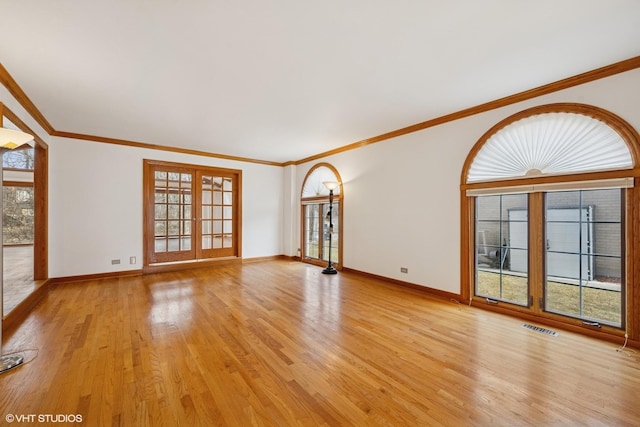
<point>329,268</point>
<point>9,362</point>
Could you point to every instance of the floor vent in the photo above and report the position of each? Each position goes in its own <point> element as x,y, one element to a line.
<point>539,329</point>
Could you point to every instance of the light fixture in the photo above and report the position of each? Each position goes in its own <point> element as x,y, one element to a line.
<point>9,139</point>
<point>331,185</point>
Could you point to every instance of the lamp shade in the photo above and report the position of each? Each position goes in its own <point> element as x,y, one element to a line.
<point>11,139</point>
<point>331,185</point>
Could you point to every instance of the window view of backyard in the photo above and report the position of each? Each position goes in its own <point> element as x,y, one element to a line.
<point>584,254</point>
<point>598,304</point>
<point>582,259</point>
<point>501,247</point>
<point>17,197</point>
<point>17,216</point>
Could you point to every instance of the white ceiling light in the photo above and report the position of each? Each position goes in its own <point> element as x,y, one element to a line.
<point>11,139</point>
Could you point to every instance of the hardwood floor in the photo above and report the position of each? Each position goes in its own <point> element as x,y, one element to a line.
<point>280,344</point>
<point>18,275</point>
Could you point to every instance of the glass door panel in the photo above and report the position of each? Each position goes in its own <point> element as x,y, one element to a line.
<point>584,254</point>
<point>317,234</point>
<point>332,236</point>
<point>217,227</point>
<point>312,231</point>
<point>172,218</point>
<point>502,248</point>
<point>224,213</point>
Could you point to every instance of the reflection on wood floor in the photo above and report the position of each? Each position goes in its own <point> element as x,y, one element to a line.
<point>18,275</point>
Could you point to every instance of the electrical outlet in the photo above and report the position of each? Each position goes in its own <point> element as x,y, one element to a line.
<point>404,270</point>
<point>132,260</point>
<point>115,261</point>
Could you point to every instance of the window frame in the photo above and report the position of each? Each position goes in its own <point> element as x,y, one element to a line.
<point>589,226</point>
<point>322,200</point>
<point>631,238</point>
<point>41,194</point>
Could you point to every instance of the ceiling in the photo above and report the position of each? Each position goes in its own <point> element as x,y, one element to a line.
<point>286,79</point>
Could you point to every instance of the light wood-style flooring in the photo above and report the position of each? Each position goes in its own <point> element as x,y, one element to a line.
<point>279,344</point>
<point>18,281</point>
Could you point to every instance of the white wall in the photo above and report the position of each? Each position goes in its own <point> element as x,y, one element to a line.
<point>95,205</point>
<point>291,208</point>
<point>402,197</point>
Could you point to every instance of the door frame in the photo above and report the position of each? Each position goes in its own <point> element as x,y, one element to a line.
<point>149,166</point>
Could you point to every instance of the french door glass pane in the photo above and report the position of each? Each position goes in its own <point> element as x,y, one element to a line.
<point>217,208</point>
<point>584,254</point>
<point>502,248</point>
<point>160,244</point>
<point>206,211</point>
<point>317,234</point>
<point>329,236</point>
<point>172,211</point>
<point>311,231</point>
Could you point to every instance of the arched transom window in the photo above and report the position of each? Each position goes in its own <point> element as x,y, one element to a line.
<point>318,238</point>
<point>546,226</point>
<point>550,144</point>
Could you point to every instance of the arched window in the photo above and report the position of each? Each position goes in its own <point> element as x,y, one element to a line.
<point>316,233</point>
<point>547,219</point>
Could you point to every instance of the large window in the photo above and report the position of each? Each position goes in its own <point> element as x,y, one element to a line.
<point>319,239</point>
<point>547,225</point>
<point>579,261</point>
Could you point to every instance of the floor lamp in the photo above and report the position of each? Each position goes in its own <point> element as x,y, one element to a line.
<point>9,139</point>
<point>331,185</point>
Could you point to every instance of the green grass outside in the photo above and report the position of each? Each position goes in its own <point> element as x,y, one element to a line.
<point>597,304</point>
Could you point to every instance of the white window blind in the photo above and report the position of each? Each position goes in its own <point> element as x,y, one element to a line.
<point>550,144</point>
<point>313,184</point>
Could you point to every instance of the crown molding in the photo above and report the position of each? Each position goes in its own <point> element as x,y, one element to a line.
<point>599,73</point>
<point>16,91</point>
<point>148,146</point>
